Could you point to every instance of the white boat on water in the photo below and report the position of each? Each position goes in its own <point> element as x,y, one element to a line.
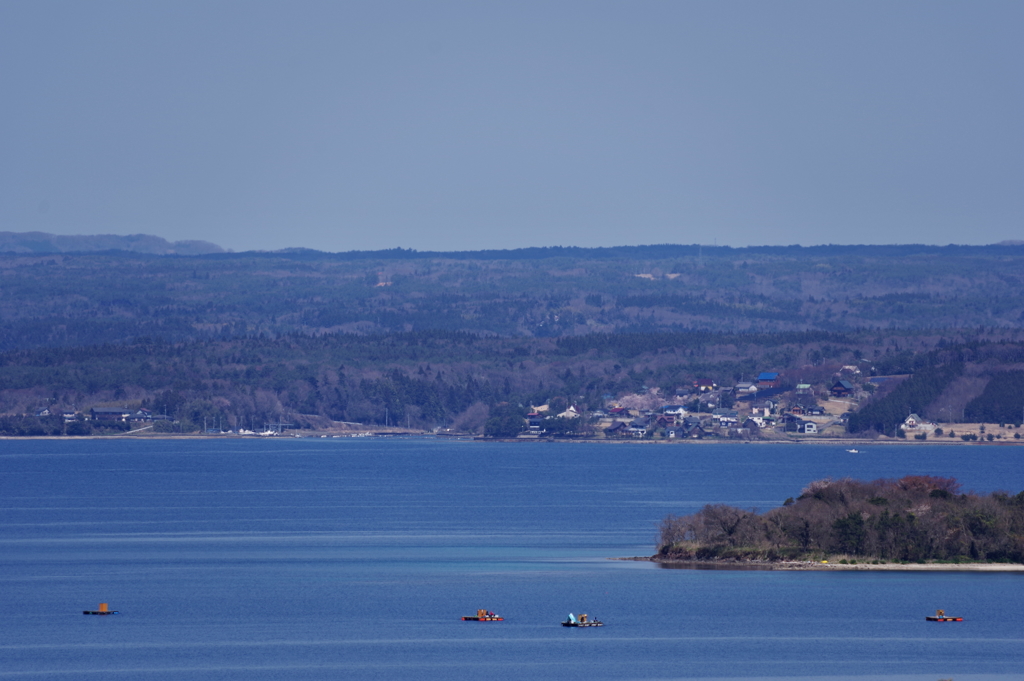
<point>853,451</point>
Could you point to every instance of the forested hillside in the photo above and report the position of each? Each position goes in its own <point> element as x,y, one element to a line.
<point>423,379</point>
<point>432,379</point>
<point>118,297</point>
<point>437,339</point>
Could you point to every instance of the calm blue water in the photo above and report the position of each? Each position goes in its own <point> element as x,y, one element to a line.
<point>338,559</point>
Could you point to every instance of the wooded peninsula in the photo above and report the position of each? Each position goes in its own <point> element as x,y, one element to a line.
<point>916,519</point>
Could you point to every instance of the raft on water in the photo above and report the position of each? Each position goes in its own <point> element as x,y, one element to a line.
<point>483,616</point>
<point>102,611</point>
<point>581,621</point>
<point>940,616</point>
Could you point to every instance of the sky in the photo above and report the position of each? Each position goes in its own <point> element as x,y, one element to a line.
<point>438,125</point>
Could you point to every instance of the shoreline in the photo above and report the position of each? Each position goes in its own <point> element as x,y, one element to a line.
<point>810,566</point>
<point>845,442</point>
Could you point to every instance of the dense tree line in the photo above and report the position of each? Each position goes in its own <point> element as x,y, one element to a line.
<point>915,519</point>
<point>626,345</point>
<point>912,396</point>
<point>506,421</point>
<point>35,426</point>
<point>1002,400</point>
<point>117,297</point>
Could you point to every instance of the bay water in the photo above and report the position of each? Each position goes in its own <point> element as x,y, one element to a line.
<point>356,559</point>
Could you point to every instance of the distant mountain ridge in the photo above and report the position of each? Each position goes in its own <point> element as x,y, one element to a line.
<point>42,242</point>
<point>646,252</point>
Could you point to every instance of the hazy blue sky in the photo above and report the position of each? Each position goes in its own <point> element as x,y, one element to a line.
<point>470,125</point>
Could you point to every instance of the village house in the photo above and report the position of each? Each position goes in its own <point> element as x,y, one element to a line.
<point>745,388</point>
<point>842,388</point>
<point>725,416</point>
<point>763,408</point>
<point>570,413</point>
<point>916,423</point>
<point>694,432</point>
<point>761,421</point>
<point>638,427</point>
<point>147,416</point>
<point>752,425</point>
<point>110,414</point>
<point>739,431</point>
<point>794,424</point>
<point>664,420</point>
<point>768,379</point>
<point>617,428</point>
<point>705,385</point>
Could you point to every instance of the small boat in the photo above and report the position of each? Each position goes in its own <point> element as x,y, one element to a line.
<point>853,451</point>
<point>483,616</point>
<point>581,621</point>
<point>104,610</point>
<point>940,616</point>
